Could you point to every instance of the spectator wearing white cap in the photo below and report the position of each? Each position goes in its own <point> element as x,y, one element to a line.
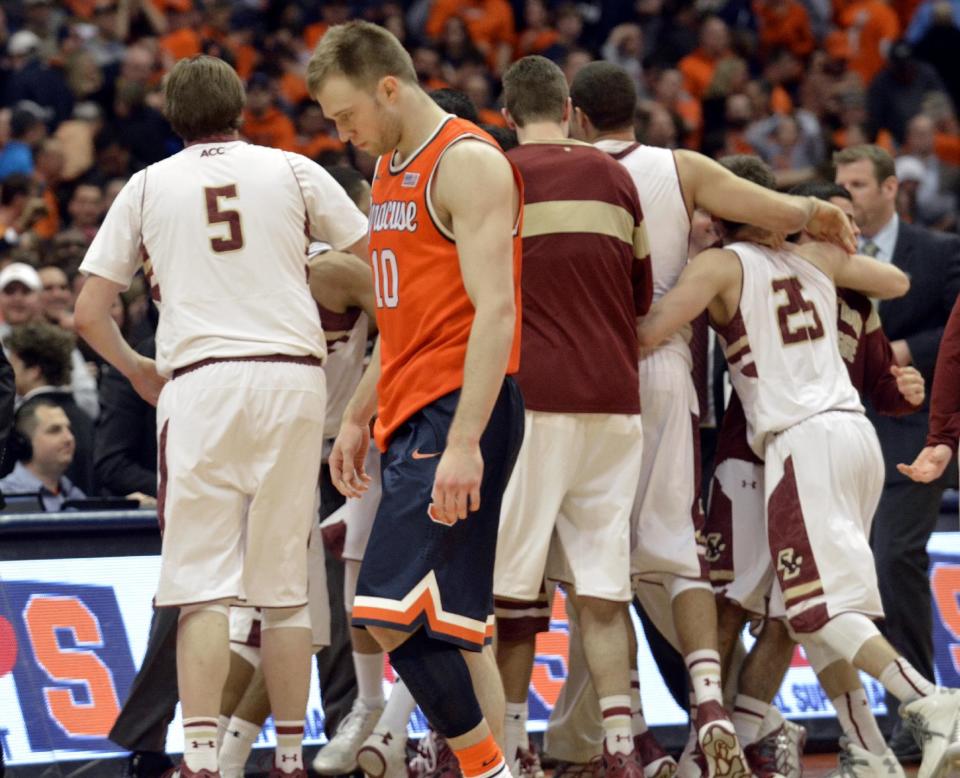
<point>31,78</point>
<point>936,204</point>
<point>20,303</point>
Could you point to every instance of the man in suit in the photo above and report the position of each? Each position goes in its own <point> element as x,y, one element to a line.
<point>914,324</point>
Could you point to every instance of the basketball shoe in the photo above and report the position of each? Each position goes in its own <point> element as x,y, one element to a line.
<point>384,755</point>
<point>339,756</point>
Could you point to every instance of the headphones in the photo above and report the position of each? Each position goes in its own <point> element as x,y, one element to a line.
<point>19,446</point>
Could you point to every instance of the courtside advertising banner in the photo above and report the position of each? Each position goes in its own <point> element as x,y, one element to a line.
<point>73,633</point>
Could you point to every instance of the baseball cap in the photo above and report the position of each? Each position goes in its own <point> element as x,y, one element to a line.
<point>22,43</point>
<point>909,168</point>
<point>22,272</point>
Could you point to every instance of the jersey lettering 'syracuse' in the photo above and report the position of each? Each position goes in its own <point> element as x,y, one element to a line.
<point>423,311</point>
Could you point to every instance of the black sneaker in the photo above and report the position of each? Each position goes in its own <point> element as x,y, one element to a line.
<point>904,746</point>
<point>147,764</point>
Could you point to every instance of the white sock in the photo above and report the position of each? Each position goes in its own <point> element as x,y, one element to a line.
<point>902,680</point>
<point>200,743</point>
<point>617,732</point>
<point>704,669</point>
<point>396,715</point>
<point>222,723</point>
<point>514,732</point>
<point>237,743</point>
<point>748,713</point>
<point>857,721</point>
<point>638,724</point>
<point>289,753</point>
<point>369,670</point>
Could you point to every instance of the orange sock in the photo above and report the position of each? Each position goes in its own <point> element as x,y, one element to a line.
<point>481,760</point>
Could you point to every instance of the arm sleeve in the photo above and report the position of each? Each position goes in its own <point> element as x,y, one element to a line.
<point>115,253</point>
<point>879,384</point>
<point>333,218</point>
<point>945,397</point>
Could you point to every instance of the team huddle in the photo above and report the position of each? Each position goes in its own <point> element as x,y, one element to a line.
<point>528,420</point>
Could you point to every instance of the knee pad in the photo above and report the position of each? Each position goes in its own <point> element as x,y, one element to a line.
<point>437,675</point>
<point>215,606</point>
<point>820,655</point>
<point>675,585</point>
<point>351,571</point>
<point>279,618</point>
<point>844,635</point>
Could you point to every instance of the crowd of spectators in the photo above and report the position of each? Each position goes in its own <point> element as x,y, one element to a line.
<point>790,80</point>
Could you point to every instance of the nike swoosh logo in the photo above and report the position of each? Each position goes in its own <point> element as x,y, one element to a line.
<point>417,455</point>
<point>488,762</point>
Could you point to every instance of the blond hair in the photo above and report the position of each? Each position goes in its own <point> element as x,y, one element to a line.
<point>362,52</point>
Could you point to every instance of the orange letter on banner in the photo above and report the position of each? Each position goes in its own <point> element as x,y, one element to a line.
<point>945,583</point>
<point>43,617</point>
<point>552,644</point>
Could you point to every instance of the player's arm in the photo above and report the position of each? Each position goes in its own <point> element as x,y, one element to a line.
<point>709,185</point>
<point>339,280</point>
<point>700,283</point>
<point>893,390</point>
<point>880,280</point>
<point>475,186</point>
<point>353,440</point>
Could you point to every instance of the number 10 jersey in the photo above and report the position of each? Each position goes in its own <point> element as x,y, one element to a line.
<point>781,344</point>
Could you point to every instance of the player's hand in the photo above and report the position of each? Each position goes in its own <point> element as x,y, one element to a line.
<point>146,380</point>
<point>909,383</point>
<point>929,464</point>
<point>145,500</point>
<point>347,458</point>
<point>456,485</point>
<point>828,223</point>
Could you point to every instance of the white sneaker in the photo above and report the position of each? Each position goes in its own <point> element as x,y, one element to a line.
<point>339,756</point>
<point>690,764</point>
<point>856,762</point>
<point>384,755</point>
<point>791,740</point>
<point>934,721</point>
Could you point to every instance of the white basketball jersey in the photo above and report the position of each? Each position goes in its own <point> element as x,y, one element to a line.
<point>781,345</point>
<point>654,173</point>
<point>221,230</point>
<point>346,335</point>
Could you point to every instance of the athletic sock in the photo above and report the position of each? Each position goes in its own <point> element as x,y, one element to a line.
<point>902,680</point>
<point>483,760</point>
<point>704,669</point>
<point>222,723</point>
<point>289,754</point>
<point>200,743</point>
<point>748,713</point>
<point>638,724</point>
<point>399,708</point>
<point>857,721</point>
<point>237,743</point>
<point>617,731</point>
<point>514,731</point>
<point>369,669</point>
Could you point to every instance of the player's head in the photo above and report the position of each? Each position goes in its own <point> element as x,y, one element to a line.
<point>604,100</point>
<point>833,193</point>
<point>752,169</point>
<point>204,98</point>
<point>353,183</point>
<point>357,74</point>
<point>456,102</point>
<point>535,90</point>
<point>870,175</point>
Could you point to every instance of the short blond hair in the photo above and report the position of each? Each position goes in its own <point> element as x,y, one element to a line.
<point>880,159</point>
<point>362,52</point>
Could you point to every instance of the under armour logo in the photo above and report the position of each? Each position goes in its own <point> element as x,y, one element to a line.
<point>294,758</point>
<point>707,682</point>
<point>751,484</point>
<point>386,737</point>
<point>235,732</point>
<point>624,737</point>
<point>715,546</point>
<point>788,563</point>
<point>201,744</point>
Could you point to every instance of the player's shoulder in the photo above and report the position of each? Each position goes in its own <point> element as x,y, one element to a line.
<point>855,301</point>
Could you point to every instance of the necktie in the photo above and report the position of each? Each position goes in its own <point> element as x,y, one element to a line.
<point>870,248</point>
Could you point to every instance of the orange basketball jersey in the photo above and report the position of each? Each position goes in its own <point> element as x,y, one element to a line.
<point>423,311</point>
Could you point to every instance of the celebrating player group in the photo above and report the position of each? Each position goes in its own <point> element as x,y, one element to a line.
<point>528,420</point>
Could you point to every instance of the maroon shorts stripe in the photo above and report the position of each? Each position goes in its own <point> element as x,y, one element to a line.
<point>517,605</point>
<point>524,627</point>
<point>288,358</point>
<point>162,476</point>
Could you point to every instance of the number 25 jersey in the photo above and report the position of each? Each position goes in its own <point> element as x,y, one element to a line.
<point>221,231</point>
<point>423,312</point>
<point>781,344</point>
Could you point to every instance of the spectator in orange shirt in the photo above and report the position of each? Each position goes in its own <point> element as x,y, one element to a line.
<point>872,27</point>
<point>784,24</point>
<point>455,46</point>
<point>669,92</point>
<point>48,174</point>
<point>182,39</point>
<point>331,12</point>
<point>426,61</point>
<point>477,88</point>
<point>538,34</point>
<point>489,22</point>
<point>264,123</point>
<point>313,132</point>
<point>698,66</point>
<point>217,29</point>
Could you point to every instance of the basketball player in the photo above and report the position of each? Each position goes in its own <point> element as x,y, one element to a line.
<point>445,251</point>
<point>586,277</point>
<point>666,514</point>
<point>219,231</point>
<point>773,311</point>
<point>741,568</point>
